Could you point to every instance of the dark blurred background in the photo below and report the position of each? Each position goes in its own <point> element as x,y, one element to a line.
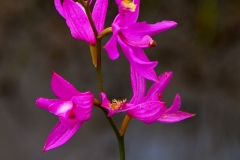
<point>203,52</point>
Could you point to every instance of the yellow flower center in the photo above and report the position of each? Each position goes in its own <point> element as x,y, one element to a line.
<point>117,104</point>
<point>128,5</point>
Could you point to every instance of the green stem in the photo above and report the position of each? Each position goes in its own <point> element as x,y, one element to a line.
<point>99,65</point>
<point>96,55</point>
<point>121,147</point>
<point>120,139</point>
<point>110,120</point>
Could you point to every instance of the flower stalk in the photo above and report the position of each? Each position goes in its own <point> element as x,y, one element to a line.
<point>96,59</point>
<point>124,125</point>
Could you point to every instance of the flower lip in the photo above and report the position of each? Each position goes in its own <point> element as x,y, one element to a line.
<point>128,5</point>
<point>117,104</point>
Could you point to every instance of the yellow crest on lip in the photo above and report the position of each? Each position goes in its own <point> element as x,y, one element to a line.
<point>117,104</point>
<point>128,5</point>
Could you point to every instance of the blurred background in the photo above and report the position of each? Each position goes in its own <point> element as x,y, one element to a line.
<point>203,52</point>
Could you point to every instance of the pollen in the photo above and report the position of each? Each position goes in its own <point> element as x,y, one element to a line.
<point>117,104</point>
<point>128,5</point>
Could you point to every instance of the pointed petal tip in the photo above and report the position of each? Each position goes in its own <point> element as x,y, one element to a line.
<point>193,114</point>
<point>166,75</point>
<point>178,97</point>
<point>54,73</point>
<point>170,23</point>
<point>170,73</point>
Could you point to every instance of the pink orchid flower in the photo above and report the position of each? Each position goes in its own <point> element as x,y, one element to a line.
<point>132,36</point>
<point>149,108</point>
<point>77,20</point>
<point>72,108</point>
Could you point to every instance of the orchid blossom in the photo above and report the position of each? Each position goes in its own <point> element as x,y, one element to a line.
<point>149,108</point>
<point>72,108</point>
<point>77,20</point>
<point>132,36</point>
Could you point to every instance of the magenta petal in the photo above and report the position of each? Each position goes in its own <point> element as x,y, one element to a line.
<point>62,88</point>
<point>59,7</point>
<point>139,61</point>
<point>105,101</point>
<point>145,69</point>
<point>138,86</point>
<point>83,106</point>
<point>174,117</point>
<point>125,107</point>
<point>144,42</point>
<point>61,108</point>
<point>113,112</point>
<point>148,112</point>
<point>68,122</point>
<point>138,30</point>
<point>175,106</point>
<point>118,2</point>
<point>60,135</point>
<point>136,55</point>
<point>45,103</point>
<point>111,47</point>
<point>158,87</point>
<point>77,21</point>
<point>99,14</point>
<point>129,17</point>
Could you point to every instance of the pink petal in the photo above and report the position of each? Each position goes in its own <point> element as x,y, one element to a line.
<point>60,135</point>
<point>61,108</point>
<point>138,86</point>
<point>136,31</point>
<point>99,14</point>
<point>83,106</point>
<point>123,108</point>
<point>139,61</point>
<point>175,106</point>
<point>105,101</point>
<point>45,103</point>
<point>158,87</point>
<point>174,117</point>
<point>118,1</point>
<point>67,122</point>
<point>77,21</point>
<point>59,7</point>
<point>136,55</point>
<point>111,46</point>
<point>124,19</point>
<point>62,88</point>
<point>144,42</point>
<point>148,112</point>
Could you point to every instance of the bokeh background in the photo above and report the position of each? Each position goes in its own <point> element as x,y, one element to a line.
<point>203,52</point>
